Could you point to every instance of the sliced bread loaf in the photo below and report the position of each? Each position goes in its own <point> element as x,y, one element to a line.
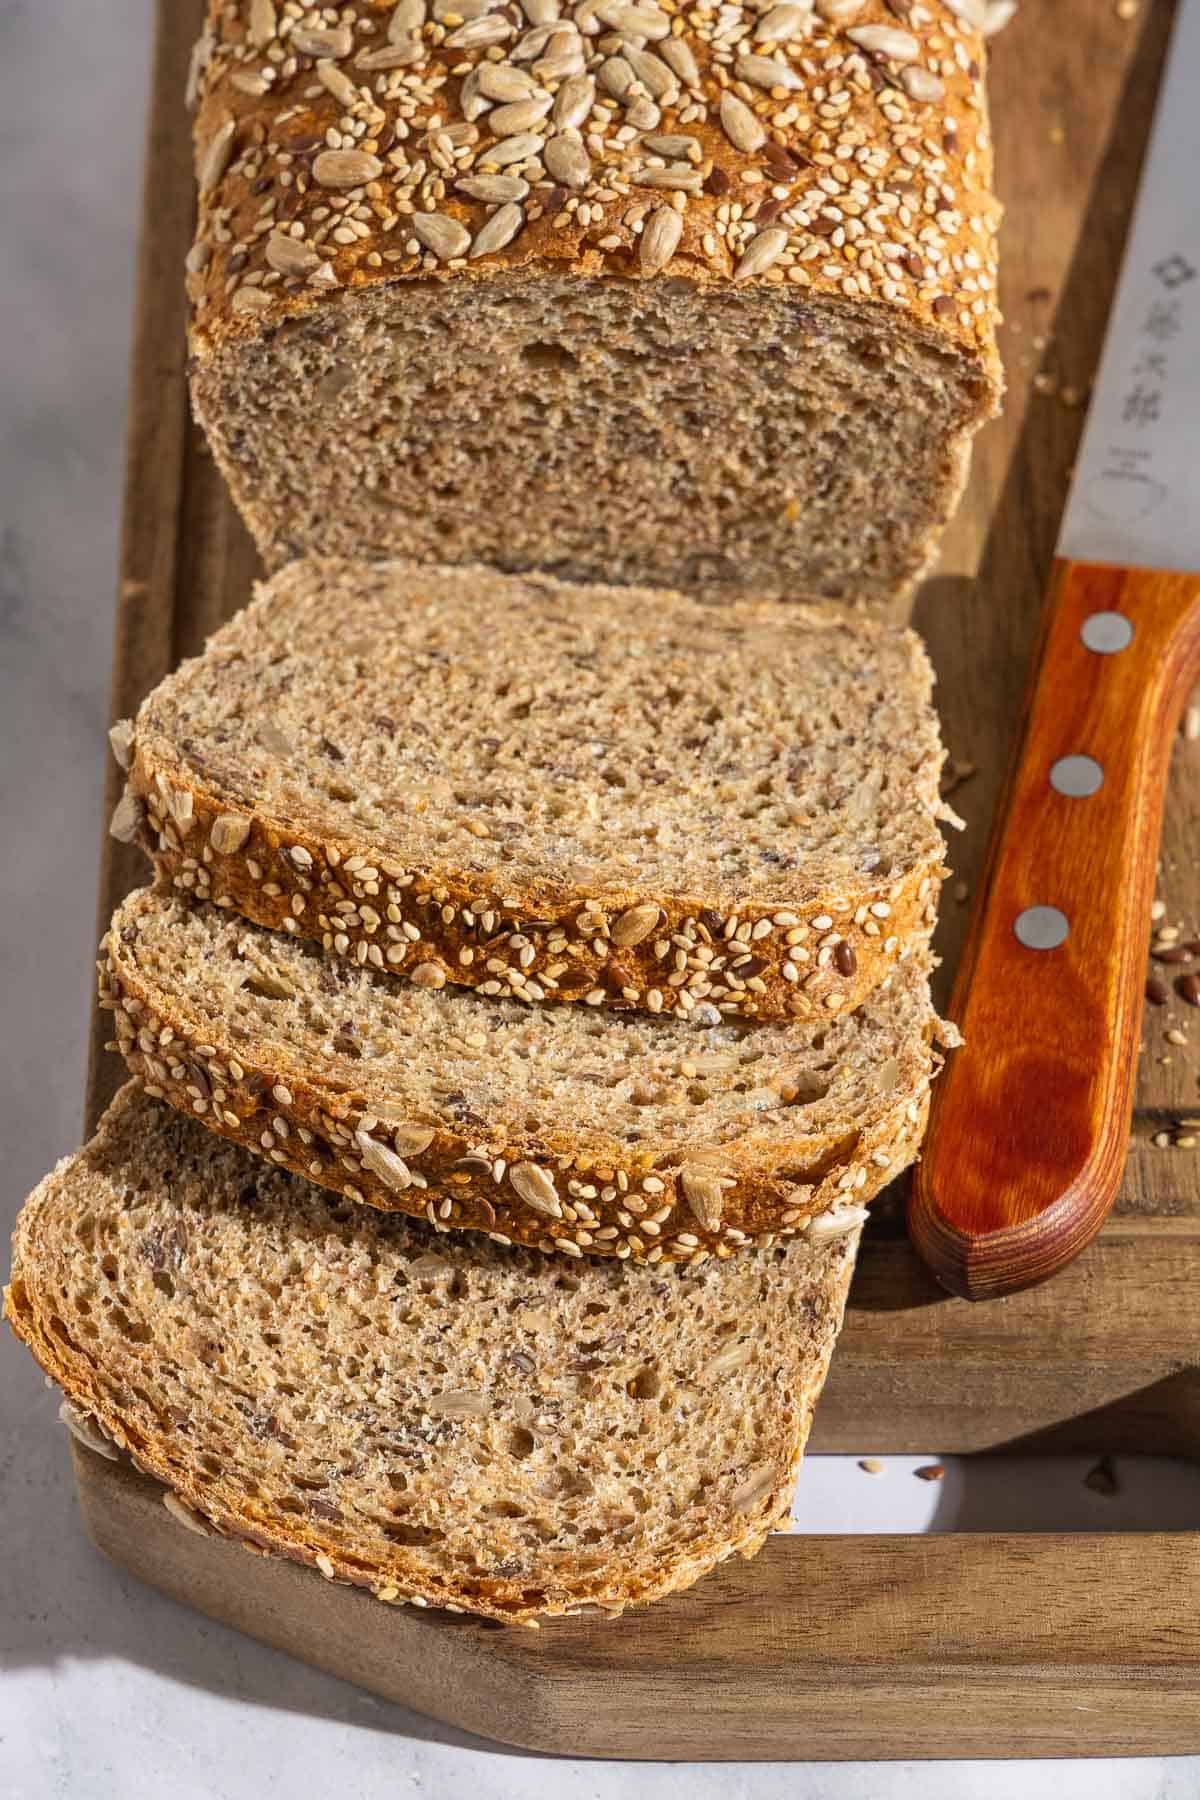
<point>563,1127</point>
<point>617,797</point>
<point>440,1420</point>
<point>701,297</point>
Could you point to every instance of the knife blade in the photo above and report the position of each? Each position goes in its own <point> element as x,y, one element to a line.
<point>1030,1122</point>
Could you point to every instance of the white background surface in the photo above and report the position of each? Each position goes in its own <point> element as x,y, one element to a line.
<point>107,1690</point>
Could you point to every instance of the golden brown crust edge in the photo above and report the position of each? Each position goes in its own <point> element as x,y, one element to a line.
<point>402,1582</point>
<point>822,956</point>
<point>864,102</point>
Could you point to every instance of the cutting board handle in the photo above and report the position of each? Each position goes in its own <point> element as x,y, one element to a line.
<point>1030,1120</point>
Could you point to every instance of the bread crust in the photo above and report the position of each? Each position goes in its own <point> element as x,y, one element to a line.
<point>845,112</point>
<point>32,1310</point>
<point>516,1181</point>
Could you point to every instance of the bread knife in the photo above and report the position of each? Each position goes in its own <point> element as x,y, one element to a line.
<point>1030,1120</point>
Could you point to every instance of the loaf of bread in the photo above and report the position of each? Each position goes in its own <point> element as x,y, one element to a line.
<point>614,797</point>
<point>572,1130</point>
<point>695,297</point>
<point>437,1419</point>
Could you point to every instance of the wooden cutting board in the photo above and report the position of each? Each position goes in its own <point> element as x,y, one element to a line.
<point>826,1646</point>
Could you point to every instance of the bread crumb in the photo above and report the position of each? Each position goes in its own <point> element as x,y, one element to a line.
<point>870,1465</point>
<point>930,1472</point>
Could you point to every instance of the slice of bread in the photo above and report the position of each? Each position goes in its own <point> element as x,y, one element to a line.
<point>617,797</point>
<point>437,1419</point>
<point>571,1129</point>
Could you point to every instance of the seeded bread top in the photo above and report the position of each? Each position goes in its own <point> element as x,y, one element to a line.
<point>832,149</point>
<point>431,1417</point>
<point>556,744</point>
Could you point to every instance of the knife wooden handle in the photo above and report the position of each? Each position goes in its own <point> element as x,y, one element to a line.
<point>1030,1120</point>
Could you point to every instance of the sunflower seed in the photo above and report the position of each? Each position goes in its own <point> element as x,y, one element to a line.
<point>674,147</point>
<point>289,255</point>
<point>763,250</point>
<point>616,77</point>
<point>250,300</point>
<point>126,819</point>
<point>532,44</point>
<point>516,149</point>
<point>497,231</point>
<point>567,161</point>
<point>383,1163</point>
<point>215,160</point>
<point>754,1489</point>
<point>336,82</point>
<point>476,34</point>
<point>726,1361</point>
<point>408,17</point>
<point>501,81</point>
<point>785,22</point>
<point>338,41</point>
<point>83,1426</point>
<point>428,974</point>
<point>183,1515</point>
<point>573,102</point>
<point>564,58</point>
<point>391,56</point>
<point>739,124</point>
<point>410,1140</point>
<point>886,41</point>
<point>120,739</point>
<point>643,114</point>
<point>541,12</point>
<point>458,1403</point>
<point>678,56</point>
<point>472,103</point>
<point>705,1194</point>
<point>229,833</point>
<point>971,12</point>
<point>447,238</point>
<point>835,1224</point>
<point>653,73</point>
<point>510,121</point>
<point>768,72</point>
<point>922,85</point>
<point>456,11</point>
<point>636,923</point>
<point>536,1189</point>
<point>262,22</point>
<point>493,190</point>
<point>346,168</point>
<point>634,21</point>
<point>1000,13</point>
<point>679,178</point>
